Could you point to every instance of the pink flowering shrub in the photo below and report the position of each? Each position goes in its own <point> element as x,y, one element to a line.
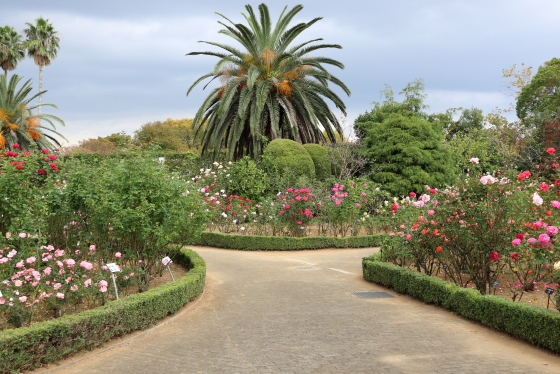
<point>54,280</point>
<point>297,210</point>
<point>466,230</point>
<point>350,206</point>
<point>477,229</point>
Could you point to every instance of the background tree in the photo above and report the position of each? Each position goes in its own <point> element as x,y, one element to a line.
<point>406,143</point>
<point>105,145</point>
<point>470,121</point>
<point>538,104</point>
<point>169,135</point>
<point>12,50</point>
<point>99,145</point>
<point>18,123</point>
<point>266,90</point>
<point>42,44</point>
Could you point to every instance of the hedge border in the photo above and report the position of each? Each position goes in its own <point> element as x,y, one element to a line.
<point>27,348</point>
<point>284,243</point>
<point>538,326</point>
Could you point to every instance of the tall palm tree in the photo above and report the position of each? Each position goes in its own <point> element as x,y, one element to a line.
<point>18,123</point>
<point>12,50</point>
<point>269,89</point>
<point>42,44</point>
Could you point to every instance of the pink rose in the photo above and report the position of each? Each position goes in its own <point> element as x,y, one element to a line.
<point>516,241</point>
<point>23,299</point>
<point>552,230</point>
<point>60,295</point>
<point>118,254</point>
<point>544,238</point>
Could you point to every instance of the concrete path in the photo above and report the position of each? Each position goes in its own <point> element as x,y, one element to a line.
<point>293,312</point>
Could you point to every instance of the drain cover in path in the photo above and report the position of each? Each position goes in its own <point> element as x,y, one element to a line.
<point>372,295</point>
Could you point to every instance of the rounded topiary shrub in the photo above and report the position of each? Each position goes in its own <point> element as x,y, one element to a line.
<point>321,160</point>
<point>288,159</point>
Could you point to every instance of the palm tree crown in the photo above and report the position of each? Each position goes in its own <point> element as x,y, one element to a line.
<point>12,50</point>
<point>18,123</point>
<point>266,90</point>
<point>42,44</point>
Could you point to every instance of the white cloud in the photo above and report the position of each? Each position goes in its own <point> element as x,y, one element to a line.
<point>440,100</point>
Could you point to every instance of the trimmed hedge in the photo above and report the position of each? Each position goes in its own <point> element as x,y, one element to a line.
<point>538,326</point>
<point>321,160</point>
<point>27,348</point>
<point>284,243</point>
<point>182,162</point>
<point>288,158</point>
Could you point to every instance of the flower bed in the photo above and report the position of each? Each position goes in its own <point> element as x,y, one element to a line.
<point>346,208</point>
<point>29,347</point>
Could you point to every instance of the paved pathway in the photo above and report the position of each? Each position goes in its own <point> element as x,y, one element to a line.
<point>267,312</point>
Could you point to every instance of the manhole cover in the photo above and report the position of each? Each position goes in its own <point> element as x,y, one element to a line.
<point>372,295</point>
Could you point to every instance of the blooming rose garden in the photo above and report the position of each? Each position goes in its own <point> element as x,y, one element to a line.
<point>61,227</point>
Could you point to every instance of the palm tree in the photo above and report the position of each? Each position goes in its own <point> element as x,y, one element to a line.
<point>42,45</point>
<point>266,90</point>
<point>11,49</point>
<point>18,123</point>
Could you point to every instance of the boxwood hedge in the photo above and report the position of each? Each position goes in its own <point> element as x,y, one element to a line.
<point>27,348</point>
<point>284,243</point>
<point>538,326</point>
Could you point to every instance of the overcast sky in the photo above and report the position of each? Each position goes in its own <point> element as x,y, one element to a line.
<point>122,63</point>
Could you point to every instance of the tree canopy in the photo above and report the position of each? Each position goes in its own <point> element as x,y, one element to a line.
<point>541,97</point>
<point>270,88</point>
<point>12,49</point>
<point>406,143</point>
<point>169,135</point>
<point>18,123</point>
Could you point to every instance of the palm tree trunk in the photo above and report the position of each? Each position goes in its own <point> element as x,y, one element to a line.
<point>40,88</point>
<point>6,75</point>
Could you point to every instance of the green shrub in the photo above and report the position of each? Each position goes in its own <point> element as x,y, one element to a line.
<point>28,347</point>
<point>536,325</point>
<point>247,180</point>
<point>284,243</point>
<point>130,206</point>
<point>287,160</point>
<point>321,160</point>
